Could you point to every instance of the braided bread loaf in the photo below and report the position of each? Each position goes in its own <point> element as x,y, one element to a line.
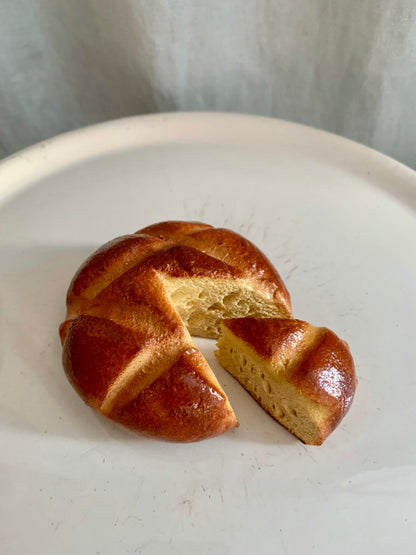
<point>132,308</point>
<point>301,375</point>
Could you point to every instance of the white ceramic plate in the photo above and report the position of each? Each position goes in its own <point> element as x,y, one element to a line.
<point>339,222</point>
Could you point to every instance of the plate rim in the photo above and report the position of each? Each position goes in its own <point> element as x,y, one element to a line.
<point>61,151</point>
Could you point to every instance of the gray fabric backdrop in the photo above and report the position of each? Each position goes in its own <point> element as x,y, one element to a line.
<point>348,66</point>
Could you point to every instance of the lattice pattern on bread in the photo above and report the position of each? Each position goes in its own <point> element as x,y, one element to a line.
<point>132,308</point>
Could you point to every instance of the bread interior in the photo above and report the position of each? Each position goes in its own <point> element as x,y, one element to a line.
<point>203,302</point>
<point>268,384</point>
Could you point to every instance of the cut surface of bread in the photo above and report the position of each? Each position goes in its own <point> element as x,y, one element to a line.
<point>302,375</point>
<point>132,308</point>
<point>202,302</point>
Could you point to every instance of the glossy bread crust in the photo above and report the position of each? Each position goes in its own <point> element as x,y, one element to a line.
<point>125,348</point>
<point>180,405</point>
<point>314,360</point>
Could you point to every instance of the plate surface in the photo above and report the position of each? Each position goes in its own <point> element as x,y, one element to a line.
<point>339,222</point>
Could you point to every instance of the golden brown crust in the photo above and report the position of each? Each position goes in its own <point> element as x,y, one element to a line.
<point>95,352</point>
<point>138,301</point>
<point>182,261</point>
<point>180,405</point>
<point>107,264</point>
<point>272,339</point>
<point>314,360</point>
<point>119,313</point>
<point>325,373</point>
<point>173,230</point>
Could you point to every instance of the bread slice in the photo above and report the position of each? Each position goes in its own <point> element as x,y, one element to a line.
<point>302,375</point>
